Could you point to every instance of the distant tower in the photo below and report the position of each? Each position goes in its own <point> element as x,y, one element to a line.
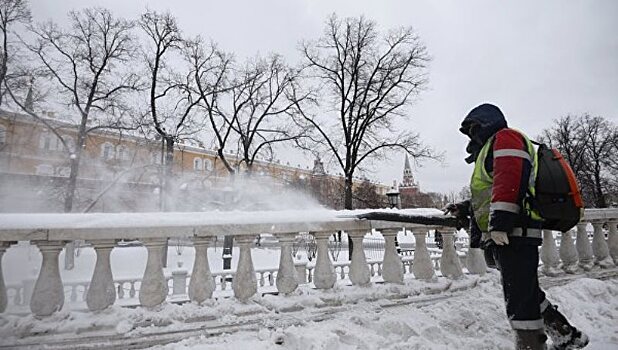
<point>408,178</point>
<point>29,103</point>
<point>409,189</point>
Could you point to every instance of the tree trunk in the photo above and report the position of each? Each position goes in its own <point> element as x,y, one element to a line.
<point>168,173</point>
<point>72,184</point>
<point>74,158</point>
<point>347,204</point>
<point>600,198</point>
<point>225,162</point>
<point>168,185</point>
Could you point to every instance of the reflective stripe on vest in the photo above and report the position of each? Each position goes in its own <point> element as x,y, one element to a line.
<point>481,183</point>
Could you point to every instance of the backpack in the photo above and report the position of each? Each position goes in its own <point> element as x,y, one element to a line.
<point>557,196</point>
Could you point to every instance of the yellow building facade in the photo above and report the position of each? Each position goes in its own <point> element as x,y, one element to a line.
<point>33,156</point>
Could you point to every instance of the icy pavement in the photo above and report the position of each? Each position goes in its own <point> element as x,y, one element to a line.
<point>463,314</point>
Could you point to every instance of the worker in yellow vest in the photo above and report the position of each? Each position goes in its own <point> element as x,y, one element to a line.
<point>508,228</point>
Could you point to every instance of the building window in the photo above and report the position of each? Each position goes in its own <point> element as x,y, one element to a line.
<point>2,135</point>
<point>47,142</point>
<point>107,151</point>
<point>207,165</point>
<point>122,153</point>
<point>197,164</point>
<point>45,169</point>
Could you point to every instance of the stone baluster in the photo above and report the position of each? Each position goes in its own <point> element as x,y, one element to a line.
<point>475,261</point>
<point>612,240</point>
<point>261,281</point>
<point>549,254</point>
<point>244,283</point>
<point>287,278</point>
<point>584,249</point>
<point>449,262</point>
<point>132,291</point>
<point>223,282</point>
<point>17,299</point>
<point>301,271</point>
<point>154,288</point>
<point>568,253</point>
<point>101,292</point>
<point>85,293</point>
<point>324,276</point>
<point>120,290</point>
<point>3,296</point>
<point>48,293</point>
<point>422,267</point>
<point>202,284</point>
<point>28,289</point>
<point>599,247</point>
<point>359,271</point>
<point>179,281</point>
<point>73,296</point>
<point>392,270</point>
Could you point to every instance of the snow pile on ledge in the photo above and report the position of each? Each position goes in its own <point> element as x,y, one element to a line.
<point>172,219</point>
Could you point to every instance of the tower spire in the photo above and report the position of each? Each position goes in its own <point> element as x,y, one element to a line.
<point>29,102</point>
<point>408,177</point>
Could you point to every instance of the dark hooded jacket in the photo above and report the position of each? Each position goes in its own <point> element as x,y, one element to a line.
<point>484,121</point>
<point>510,173</point>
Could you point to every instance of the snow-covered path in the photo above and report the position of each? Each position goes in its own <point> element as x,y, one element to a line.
<point>465,319</point>
<point>462,314</point>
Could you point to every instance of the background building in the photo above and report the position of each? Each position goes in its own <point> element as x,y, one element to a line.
<point>122,171</point>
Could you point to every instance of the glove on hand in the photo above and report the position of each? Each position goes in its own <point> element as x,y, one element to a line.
<point>461,211</point>
<point>501,238</point>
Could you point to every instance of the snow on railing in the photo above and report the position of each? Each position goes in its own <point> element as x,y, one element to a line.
<point>49,232</point>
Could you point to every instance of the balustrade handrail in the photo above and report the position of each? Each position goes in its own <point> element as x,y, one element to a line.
<point>50,231</point>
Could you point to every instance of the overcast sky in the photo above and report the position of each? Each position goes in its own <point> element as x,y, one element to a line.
<point>536,60</point>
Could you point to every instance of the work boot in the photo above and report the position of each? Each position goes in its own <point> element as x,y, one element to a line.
<point>562,334</point>
<point>530,339</point>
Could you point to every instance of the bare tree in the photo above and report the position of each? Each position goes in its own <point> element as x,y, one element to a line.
<point>85,66</point>
<point>367,81</point>
<point>251,105</point>
<point>259,108</point>
<point>601,140</point>
<point>11,12</point>
<point>590,145</point>
<point>211,73</point>
<point>567,135</point>
<point>171,99</point>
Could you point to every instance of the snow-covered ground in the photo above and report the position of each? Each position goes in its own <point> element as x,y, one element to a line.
<point>468,319</point>
<point>463,314</point>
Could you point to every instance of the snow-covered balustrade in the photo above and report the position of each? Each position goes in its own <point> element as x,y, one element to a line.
<point>49,232</point>
<point>581,252</point>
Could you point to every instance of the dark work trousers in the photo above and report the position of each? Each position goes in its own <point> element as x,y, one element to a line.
<point>518,264</point>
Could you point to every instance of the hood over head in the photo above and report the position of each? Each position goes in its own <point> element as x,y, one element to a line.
<point>479,125</point>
